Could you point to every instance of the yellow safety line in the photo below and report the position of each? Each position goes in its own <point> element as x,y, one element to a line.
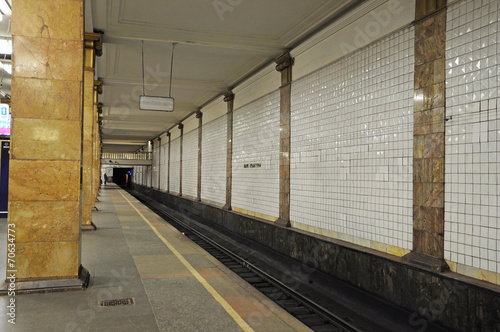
<point>237,318</point>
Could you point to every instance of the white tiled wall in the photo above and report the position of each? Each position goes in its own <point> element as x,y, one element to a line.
<point>144,175</point>
<point>213,166</point>
<point>190,164</point>
<point>164,166</point>
<point>175,159</point>
<point>156,166</point>
<point>352,144</point>
<point>136,175</point>
<point>472,227</point>
<point>140,175</point>
<point>256,132</point>
<point>148,176</point>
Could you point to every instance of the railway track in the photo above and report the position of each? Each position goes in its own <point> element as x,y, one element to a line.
<point>307,311</point>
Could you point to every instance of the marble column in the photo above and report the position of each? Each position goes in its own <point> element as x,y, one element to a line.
<point>97,110</point>
<point>159,163</point>
<point>90,88</point>
<point>229,100</point>
<point>181,138</point>
<point>284,65</point>
<point>169,135</point>
<point>87,160</point>
<point>46,144</point>
<point>429,136</point>
<point>93,48</point>
<point>199,116</point>
<point>97,154</point>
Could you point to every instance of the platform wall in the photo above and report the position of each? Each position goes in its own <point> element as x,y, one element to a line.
<point>256,157</point>
<point>164,165</point>
<point>213,166</point>
<point>190,164</point>
<point>472,197</point>
<point>175,165</point>
<point>352,146</point>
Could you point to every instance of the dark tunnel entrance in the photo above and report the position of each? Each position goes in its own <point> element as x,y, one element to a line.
<point>122,176</point>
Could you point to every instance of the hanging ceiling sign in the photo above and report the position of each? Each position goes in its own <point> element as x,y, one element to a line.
<point>150,103</point>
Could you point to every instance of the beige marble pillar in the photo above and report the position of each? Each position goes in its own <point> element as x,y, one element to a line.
<point>429,136</point>
<point>284,65</point>
<point>93,48</point>
<point>87,156</point>
<point>97,154</point>
<point>229,100</point>
<point>199,116</point>
<point>96,176</point>
<point>46,145</point>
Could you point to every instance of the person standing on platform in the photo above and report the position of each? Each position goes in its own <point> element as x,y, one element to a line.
<point>105,178</point>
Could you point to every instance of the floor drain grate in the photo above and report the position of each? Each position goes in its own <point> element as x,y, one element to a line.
<point>117,302</point>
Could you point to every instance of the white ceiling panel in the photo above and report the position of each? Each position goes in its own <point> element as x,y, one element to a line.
<point>219,44</point>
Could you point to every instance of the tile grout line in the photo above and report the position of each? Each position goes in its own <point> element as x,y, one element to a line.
<point>236,317</point>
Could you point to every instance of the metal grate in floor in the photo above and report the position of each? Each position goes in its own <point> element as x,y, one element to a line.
<point>116,302</point>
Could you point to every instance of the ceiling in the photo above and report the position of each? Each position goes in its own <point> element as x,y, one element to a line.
<point>219,44</point>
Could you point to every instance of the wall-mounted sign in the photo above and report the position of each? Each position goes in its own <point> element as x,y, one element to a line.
<point>252,165</point>
<point>4,120</point>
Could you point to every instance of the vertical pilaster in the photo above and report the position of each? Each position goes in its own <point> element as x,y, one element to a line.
<point>149,174</point>
<point>169,135</point>
<point>181,138</point>
<point>46,143</point>
<point>97,153</point>
<point>96,39</point>
<point>159,163</point>
<point>90,90</point>
<point>429,135</point>
<point>199,116</point>
<point>229,100</point>
<point>93,48</point>
<point>88,137</point>
<point>284,65</point>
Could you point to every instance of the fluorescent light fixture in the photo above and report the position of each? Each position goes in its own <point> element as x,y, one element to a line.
<point>149,103</point>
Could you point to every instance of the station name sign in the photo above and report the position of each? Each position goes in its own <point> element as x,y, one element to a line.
<point>252,165</point>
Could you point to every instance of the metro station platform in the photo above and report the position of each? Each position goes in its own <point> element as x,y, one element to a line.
<point>171,283</point>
